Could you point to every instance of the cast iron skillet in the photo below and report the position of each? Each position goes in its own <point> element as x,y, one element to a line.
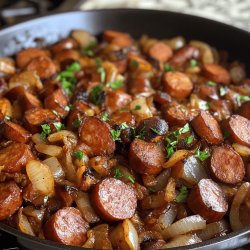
<point>161,24</point>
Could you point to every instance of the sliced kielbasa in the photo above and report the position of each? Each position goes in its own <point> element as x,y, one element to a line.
<point>30,101</point>
<point>208,200</point>
<point>114,36</point>
<point>10,199</point>
<point>146,157</point>
<point>178,115</point>
<point>183,55</point>
<point>239,129</point>
<point>43,66</point>
<point>96,134</point>
<point>160,52</point>
<point>67,226</point>
<point>26,55</point>
<point>216,73</point>
<point>65,44</point>
<point>113,200</point>
<point>15,157</point>
<point>244,110</point>
<point>119,117</point>
<point>57,101</point>
<point>15,132</point>
<point>34,118</point>
<point>67,55</point>
<point>227,165</point>
<point>152,127</point>
<point>177,84</point>
<point>207,127</point>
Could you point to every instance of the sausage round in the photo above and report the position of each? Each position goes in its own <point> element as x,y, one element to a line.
<point>146,157</point>
<point>177,84</point>
<point>113,200</point>
<point>207,128</point>
<point>65,44</point>
<point>15,132</point>
<point>30,101</point>
<point>239,129</point>
<point>207,199</point>
<point>227,165</point>
<point>96,134</point>
<point>26,55</point>
<point>44,67</point>
<point>160,52</point>
<point>152,127</point>
<point>216,73</point>
<point>67,226</point>
<point>10,199</point>
<point>15,157</point>
<point>244,110</point>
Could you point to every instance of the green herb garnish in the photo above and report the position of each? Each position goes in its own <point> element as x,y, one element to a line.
<point>152,190</point>
<point>78,154</point>
<point>137,107</point>
<point>211,83</point>
<point>182,196</point>
<point>117,133</point>
<point>182,109</point>
<point>131,179</point>
<point>89,50</point>
<point>67,77</point>
<point>134,63</point>
<point>193,63</point>
<point>102,73</point>
<point>59,126</point>
<point>118,174</point>
<point>167,67</point>
<point>226,134</point>
<point>77,122</point>
<point>46,130</point>
<point>189,139</point>
<point>223,91</point>
<point>115,85</point>
<point>105,117</point>
<point>155,131</point>
<point>96,94</point>
<point>202,155</point>
<point>244,98</point>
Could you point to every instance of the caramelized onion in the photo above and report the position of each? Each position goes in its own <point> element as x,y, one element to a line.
<point>23,223</point>
<point>167,218</point>
<point>55,168</point>
<point>182,240</point>
<point>183,226</point>
<point>177,156</point>
<point>51,150</point>
<point>241,149</point>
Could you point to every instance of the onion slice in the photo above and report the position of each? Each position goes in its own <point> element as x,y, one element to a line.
<point>55,168</point>
<point>183,226</point>
<point>51,150</point>
<point>234,214</point>
<point>177,156</point>
<point>23,223</point>
<point>41,177</point>
<point>241,150</point>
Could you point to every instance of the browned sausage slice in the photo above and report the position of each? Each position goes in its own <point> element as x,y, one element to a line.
<point>239,129</point>
<point>244,110</point>
<point>207,199</point>
<point>65,44</point>
<point>207,127</point>
<point>227,165</point>
<point>44,66</point>
<point>113,200</point>
<point>96,134</point>
<point>160,52</point>
<point>183,55</point>
<point>26,55</point>
<point>30,101</point>
<point>216,73</point>
<point>15,132</point>
<point>10,199</point>
<point>57,101</point>
<point>15,157</point>
<point>177,84</point>
<point>67,226</point>
<point>146,157</point>
<point>34,118</point>
<point>67,55</point>
<point>110,35</point>
<point>178,115</point>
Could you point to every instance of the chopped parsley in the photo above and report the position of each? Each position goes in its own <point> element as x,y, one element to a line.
<point>172,139</point>
<point>189,139</point>
<point>167,67</point>
<point>134,63</point>
<point>124,125</point>
<point>137,107</point>
<point>46,130</point>
<point>244,98</point>
<point>131,179</point>
<point>223,91</point>
<point>117,133</point>
<point>182,196</point>
<point>193,63</point>
<point>67,77</point>
<point>226,134</point>
<point>208,104</point>
<point>96,95</point>
<point>58,125</point>
<point>152,190</point>
<point>102,73</point>
<point>202,155</point>
<point>116,84</point>
<point>77,122</point>
<point>211,83</point>
<point>105,117</point>
<point>78,154</point>
<point>155,131</point>
<point>89,50</point>
<point>117,174</point>
<point>140,135</point>
<point>68,108</point>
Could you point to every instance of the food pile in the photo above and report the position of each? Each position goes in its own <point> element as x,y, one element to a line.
<point>117,143</point>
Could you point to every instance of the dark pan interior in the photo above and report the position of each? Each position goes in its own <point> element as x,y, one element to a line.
<point>160,24</point>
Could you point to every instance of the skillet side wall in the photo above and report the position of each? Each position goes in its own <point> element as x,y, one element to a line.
<point>160,24</point>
